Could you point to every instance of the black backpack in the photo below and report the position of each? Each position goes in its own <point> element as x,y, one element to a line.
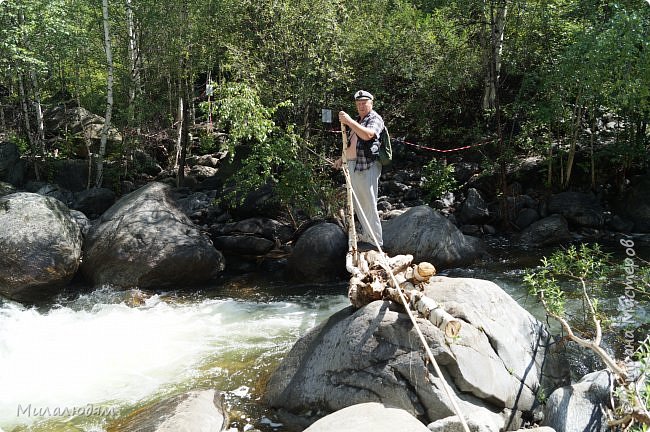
<point>385,148</point>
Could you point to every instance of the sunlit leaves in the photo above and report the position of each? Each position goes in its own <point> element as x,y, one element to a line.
<point>587,264</point>
<point>275,154</point>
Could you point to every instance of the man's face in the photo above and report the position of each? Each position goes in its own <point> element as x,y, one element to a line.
<point>364,106</point>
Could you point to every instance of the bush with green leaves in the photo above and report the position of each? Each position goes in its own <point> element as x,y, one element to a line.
<point>438,179</point>
<point>276,154</point>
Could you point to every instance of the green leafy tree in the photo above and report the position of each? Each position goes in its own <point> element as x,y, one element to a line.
<point>275,154</point>
<point>599,68</point>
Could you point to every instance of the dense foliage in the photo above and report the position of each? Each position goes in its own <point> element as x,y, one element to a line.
<point>561,73</point>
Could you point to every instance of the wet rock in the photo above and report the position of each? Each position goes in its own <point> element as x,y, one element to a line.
<point>258,226</point>
<point>548,231</point>
<point>250,237</point>
<point>41,246</point>
<point>319,253</point>
<point>192,411</point>
<point>579,407</point>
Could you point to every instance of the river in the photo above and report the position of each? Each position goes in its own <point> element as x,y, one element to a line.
<point>118,351</point>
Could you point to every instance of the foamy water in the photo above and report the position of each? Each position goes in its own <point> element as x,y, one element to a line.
<point>111,354</point>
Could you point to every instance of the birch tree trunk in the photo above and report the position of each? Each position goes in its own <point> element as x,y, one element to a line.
<point>28,126</point>
<point>134,62</point>
<point>109,96</point>
<point>183,138</point>
<point>493,50</point>
<point>40,129</point>
<point>183,95</point>
<point>577,121</point>
<point>180,119</point>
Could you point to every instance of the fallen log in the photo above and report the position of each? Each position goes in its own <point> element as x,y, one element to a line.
<point>372,280</point>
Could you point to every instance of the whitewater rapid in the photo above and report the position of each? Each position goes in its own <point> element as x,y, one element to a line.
<point>98,354</point>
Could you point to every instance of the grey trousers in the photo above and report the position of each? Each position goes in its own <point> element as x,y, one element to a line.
<point>366,186</point>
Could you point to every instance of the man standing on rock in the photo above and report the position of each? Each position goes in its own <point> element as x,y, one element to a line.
<point>362,155</point>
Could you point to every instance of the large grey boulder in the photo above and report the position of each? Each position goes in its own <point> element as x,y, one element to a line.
<point>548,231</point>
<point>526,217</point>
<point>194,411</point>
<point>370,416</point>
<point>145,241</point>
<point>40,244</point>
<point>578,208</point>
<point>581,407</point>
<point>319,253</point>
<point>81,124</point>
<point>496,365</point>
<point>429,236</point>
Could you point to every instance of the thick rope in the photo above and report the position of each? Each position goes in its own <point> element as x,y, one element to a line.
<point>384,263</point>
